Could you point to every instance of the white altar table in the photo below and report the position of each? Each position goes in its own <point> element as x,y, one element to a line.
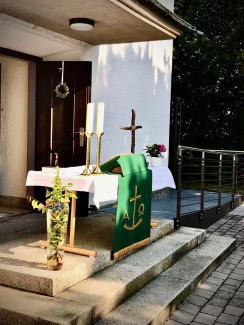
<point>161,178</point>
<point>104,188</point>
<point>92,184</point>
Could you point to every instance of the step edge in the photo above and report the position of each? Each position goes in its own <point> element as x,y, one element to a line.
<point>18,318</point>
<point>89,317</point>
<point>190,286</point>
<point>100,310</point>
<point>52,291</point>
<point>167,229</point>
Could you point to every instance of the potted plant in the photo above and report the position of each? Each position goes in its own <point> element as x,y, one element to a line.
<point>155,152</point>
<point>56,208</point>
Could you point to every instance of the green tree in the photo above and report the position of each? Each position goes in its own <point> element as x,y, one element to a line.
<point>208,74</point>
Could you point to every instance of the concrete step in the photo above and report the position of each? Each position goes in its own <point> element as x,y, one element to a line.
<point>93,298</point>
<point>23,262</point>
<point>154,303</point>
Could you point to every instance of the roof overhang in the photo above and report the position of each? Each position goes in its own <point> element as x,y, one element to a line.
<point>116,21</point>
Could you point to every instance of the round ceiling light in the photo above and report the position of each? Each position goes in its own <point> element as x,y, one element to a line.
<point>81,24</point>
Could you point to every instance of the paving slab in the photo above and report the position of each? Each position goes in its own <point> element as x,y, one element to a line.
<point>223,295</point>
<point>218,302</point>
<point>234,310</point>
<point>205,319</point>
<point>209,286</point>
<point>23,261</point>
<point>212,310</point>
<point>228,300</point>
<point>228,319</point>
<point>183,317</point>
<point>197,300</point>
<point>190,308</point>
<point>204,293</point>
<point>215,281</point>
<point>237,302</point>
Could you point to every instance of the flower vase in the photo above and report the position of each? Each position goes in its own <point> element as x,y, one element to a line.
<point>156,161</point>
<point>56,236</point>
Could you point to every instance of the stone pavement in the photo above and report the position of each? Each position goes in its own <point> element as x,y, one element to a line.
<point>219,300</point>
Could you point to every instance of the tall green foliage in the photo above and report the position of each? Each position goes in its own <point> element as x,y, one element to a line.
<point>208,74</point>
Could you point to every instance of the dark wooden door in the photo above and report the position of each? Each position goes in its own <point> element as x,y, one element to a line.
<point>57,119</point>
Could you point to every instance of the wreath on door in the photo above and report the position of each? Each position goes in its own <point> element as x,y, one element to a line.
<point>61,90</point>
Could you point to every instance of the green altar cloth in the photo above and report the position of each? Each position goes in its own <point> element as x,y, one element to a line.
<point>133,216</point>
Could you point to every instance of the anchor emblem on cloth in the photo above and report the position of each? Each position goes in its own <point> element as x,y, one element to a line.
<point>140,212</point>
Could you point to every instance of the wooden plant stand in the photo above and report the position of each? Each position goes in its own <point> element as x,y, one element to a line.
<point>70,248</point>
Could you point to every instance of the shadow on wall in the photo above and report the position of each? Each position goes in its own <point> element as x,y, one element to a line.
<point>134,75</point>
<point>153,55</point>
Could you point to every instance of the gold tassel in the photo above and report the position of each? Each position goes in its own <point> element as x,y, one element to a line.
<point>131,248</point>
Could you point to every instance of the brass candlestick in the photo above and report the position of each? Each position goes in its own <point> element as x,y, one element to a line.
<point>87,171</point>
<point>97,170</point>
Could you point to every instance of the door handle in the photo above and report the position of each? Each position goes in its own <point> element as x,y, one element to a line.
<point>81,132</point>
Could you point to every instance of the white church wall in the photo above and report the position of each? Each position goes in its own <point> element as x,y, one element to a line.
<point>13,144</point>
<point>126,76</point>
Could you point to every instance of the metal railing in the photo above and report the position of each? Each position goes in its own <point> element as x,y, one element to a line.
<point>207,179</point>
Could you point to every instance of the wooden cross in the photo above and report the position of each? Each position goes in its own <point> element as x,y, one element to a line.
<point>133,129</point>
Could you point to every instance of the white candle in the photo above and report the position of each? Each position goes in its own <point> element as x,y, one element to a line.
<point>89,117</point>
<point>100,117</point>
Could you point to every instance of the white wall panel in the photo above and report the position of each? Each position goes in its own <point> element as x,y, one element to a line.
<point>13,144</point>
<point>126,76</point>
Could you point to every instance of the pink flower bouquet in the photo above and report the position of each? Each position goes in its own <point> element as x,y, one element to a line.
<point>155,150</point>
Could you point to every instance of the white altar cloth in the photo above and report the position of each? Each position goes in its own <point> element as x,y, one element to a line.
<point>104,187</point>
<point>161,178</point>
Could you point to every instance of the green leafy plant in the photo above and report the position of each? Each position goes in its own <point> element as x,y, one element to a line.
<point>58,198</point>
<point>57,206</point>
